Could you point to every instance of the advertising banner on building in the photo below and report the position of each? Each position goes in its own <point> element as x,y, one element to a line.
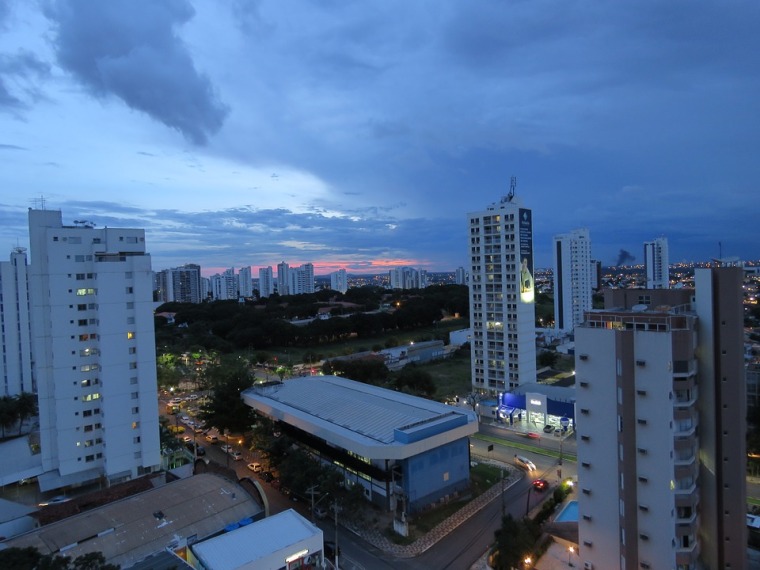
<point>527,294</point>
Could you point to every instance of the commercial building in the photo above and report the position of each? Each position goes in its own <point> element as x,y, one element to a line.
<point>502,311</point>
<point>656,263</point>
<point>573,279</point>
<point>266,282</point>
<point>93,355</point>
<point>406,452</point>
<point>661,430</point>
<point>339,281</point>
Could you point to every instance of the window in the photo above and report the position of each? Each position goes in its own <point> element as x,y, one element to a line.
<point>586,464</point>
<point>128,275</point>
<point>136,439</point>
<point>89,458</point>
<point>641,392</point>
<point>132,365</point>
<point>90,397</point>
<point>584,411</point>
<point>641,363</point>
<point>135,410</point>
<point>584,384</point>
<point>130,290</point>
<point>135,395</point>
<point>585,438</point>
<point>86,413</point>
<point>586,491</point>
<point>130,335</point>
<point>135,425</point>
<point>642,451</point>
<point>131,305</point>
<point>643,480</point>
<point>88,427</point>
<point>133,380</point>
<point>641,421</point>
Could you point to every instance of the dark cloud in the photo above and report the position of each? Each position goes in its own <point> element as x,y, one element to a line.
<point>130,49</point>
<point>20,75</point>
<point>11,147</point>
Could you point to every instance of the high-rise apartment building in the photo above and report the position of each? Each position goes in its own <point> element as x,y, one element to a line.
<point>224,286</point>
<point>180,284</point>
<point>656,263</point>
<point>407,278</point>
<point>266,282</point>
<point>283,279</point>
<point>502,311</point>
<point>573,279</point>
<point>14,319</point>
<point>301,279</point>
<point>339,281</point>
<point>661,429</point>
<point>460,277</point>
<point>245,282</point>
<point>91,297</point>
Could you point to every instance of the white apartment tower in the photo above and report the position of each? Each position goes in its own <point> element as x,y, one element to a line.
<point>224,286</point>
<point>283,279</point>
<point>573,279</point>
<point>460,277</point>
<point>656,263</point>
<point>266,282</point>
<point>245,282</point>
<point>661,428</point>
<point>180,284</point>
<point>502,311</point>
<point>14,319</point>
<point>301,279</point>
<point>93,342</point>
<point>407,278</point>
<point>339,281</point>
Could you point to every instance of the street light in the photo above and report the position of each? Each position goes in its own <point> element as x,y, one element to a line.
<point>570,551</point>
<point>527,561</point>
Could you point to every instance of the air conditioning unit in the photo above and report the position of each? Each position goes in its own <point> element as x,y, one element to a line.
<point>588,566</point>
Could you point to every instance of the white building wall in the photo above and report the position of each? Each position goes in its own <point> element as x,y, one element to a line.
<point>14,317</point>
<point>597,439</point>
<point>266,282</point>
<point>656,263</point>
<point>245,281</point>
<point>283,279</point>
<point>572,279</point>
<point>339,281</point>
<point>97,387</point>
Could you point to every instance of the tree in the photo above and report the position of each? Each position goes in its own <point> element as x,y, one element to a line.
<point>547,358</point>
<point>414,380</point>
<point>226,409</point>
<point>8,413</point>
<point>513,541</point>
<point>29,558</point>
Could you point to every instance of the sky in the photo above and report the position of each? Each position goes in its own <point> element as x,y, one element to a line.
<point>360,134</point>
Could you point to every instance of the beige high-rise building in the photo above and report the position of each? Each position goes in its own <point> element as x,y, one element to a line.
<point>661,428</point>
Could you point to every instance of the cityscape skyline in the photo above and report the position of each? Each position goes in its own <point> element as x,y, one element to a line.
<point>299,127</point>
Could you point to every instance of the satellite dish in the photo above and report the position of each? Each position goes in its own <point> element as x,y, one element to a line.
<point>639,308</point>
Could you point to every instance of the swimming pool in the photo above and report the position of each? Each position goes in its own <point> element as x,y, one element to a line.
<point>569,513</point>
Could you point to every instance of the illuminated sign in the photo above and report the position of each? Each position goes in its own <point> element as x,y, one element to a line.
<point>535,402</point>
<point>297,555</point>
<point>527,294</point>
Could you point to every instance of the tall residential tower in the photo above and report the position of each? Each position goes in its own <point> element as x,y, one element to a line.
<point>94,351</point>
<point>656,263</point>
<point>573,279</point>
<point>502,311</point>
<point>661,428</point>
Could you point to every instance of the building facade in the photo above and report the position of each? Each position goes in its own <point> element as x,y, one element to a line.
<point>660,429</point>
<point>179,284</point>
<point>407,278</point>
<point>94,355</point>
<point>301,279</point>
<point>502,310</point>
<point>245,282</point>
<point>573,279</point>
<point>460,277</point>
<point>656,263</point>
<point>16,333</point>
<point>283,279</point>
<point>339,281</point>
<point>266,282</point>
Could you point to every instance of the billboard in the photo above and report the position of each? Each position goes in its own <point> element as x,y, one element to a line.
<point>527,294</point>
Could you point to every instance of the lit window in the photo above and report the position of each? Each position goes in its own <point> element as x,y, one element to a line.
<point>131,335</point>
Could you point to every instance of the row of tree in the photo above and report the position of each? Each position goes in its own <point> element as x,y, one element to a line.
<point>228,325</point>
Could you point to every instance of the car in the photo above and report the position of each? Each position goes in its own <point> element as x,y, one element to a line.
<point>533,435</point>
<point>236,455</point>
<point>330,550</point>
<point>320,512</point>
<point>525,463</point>
<point>27,481</point>
<point>212,438</point>
<point>267,476</point>
<point>548,428</point>
<point>255,467</point>
<point>54,501</point>
<point>198,428</point>
<point>540,485</point>
<point>226,448</point>
<point>193,396</point>
<point>198,450</point>
<point>187,439</point>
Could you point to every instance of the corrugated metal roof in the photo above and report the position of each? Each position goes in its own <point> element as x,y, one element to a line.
<point>363,409</point>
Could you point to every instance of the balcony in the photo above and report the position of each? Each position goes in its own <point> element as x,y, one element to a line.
<point>685,398</point>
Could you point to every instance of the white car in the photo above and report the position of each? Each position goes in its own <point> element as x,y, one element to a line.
<point>236,455</point>
<point>525,463</point>
<point>226,448</point>
<point>54,501</point>
<point>255,467</point>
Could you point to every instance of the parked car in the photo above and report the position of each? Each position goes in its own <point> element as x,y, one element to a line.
<point>226,448</point>
<point>187,439</point>
<point>55,501</point>
<point>320,512</point>
<point>236,455</point>
<point>212,438</point>
<point>255,467</point>
<point>525,463</point>
<point>548,428</point>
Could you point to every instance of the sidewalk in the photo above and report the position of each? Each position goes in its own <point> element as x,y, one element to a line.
<point>378,539</point>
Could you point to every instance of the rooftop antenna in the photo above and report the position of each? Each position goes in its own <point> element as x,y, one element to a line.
<point>512,188</point>
<point>39,203</point>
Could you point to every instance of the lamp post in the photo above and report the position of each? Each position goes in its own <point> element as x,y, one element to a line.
<point>570,551</point>
<point>527,561</point>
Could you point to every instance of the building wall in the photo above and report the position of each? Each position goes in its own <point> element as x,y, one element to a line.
<point>245,282</point>
<point>93,343</point>
<point>16,335</point>
<point>573,279</point>
<point>656,264</point>
<point>266,282</point>
<point>502,310</point>
<point>339,281</point>
<point>433,474</point>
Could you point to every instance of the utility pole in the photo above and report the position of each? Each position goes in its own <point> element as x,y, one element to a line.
<point>335,510</point>
<point>502,493</point>
<point>311,491</point>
